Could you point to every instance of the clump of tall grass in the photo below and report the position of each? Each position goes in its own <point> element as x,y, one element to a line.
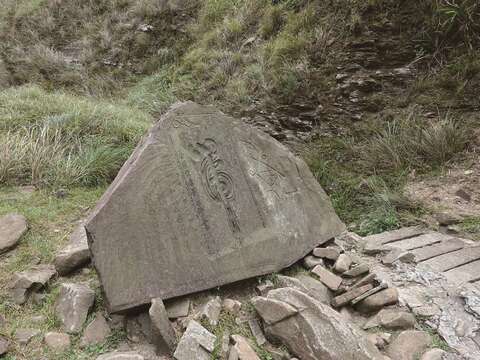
<point>414,143</point>
<point>60,139</point>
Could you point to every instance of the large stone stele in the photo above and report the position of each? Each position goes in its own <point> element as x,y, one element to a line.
<point>204,200</point>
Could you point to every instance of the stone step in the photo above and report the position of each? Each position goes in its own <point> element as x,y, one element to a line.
<point>420,241</point>
<point>466,273</point>
<point>434,250</point>
<point>395,235</point>
<point>454,259</point>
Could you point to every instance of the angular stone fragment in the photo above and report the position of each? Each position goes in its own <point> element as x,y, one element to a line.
<point>73,304</point>
<point>343,263</point>
<point>232,306</point>
<point>264,287</point>
<point>357,271</point>
<point>306,284</point>
<point>207,200</point>
<point>345,298</point>
<point>434,354</point>
<point>330,280</point>
<point>329,253</point>
<point>409,345</point>
<point>57,341</point>
<point>163,334</point>
<point>210,311</point>
<point>196,343</point>
<point>272,311</point>
<point>96,332</point>
<point>376,243</point>
<point>128,355</point>
<point>243,348</point>
<point>315,331</point>
<point>177,308</point>
<point>12,228</point>
<point>257,331</point>
<point>139,327</point>
<point>225,344</point>
<point>375,290</point>
<point>26,282</point>
<point>310,261</point>
<point>4,345</point>
<point>23,336</point>
<point>367,279</point>
<point>393,319</point>
<point>379,300</point>
<point>75,254</point>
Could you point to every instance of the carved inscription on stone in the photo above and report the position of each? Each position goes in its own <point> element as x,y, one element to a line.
<point>203,201</point>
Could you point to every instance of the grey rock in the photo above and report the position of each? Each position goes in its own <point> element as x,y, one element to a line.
<point>357,270</point>
<point>232,306</point>
<point>409,345</point>
<point>349,295</point>
<point>57,341</point>
<point>434,354</point>
<point>330,280</point>
<point>177,308</point>
<point>343,263</point>
<point>75,255</point>
<point>210,311</point>
<point>73,305</point>
<point>23,336</point>
<point>306,284</point>
<point>4,345</point>
<point>315,331</point>
<point>26,282</point>
<point>196,343</point>
<point>225,344</point>
<point>96,332</point>
<point>139,327</point>
<point>264,287</point>
<point>329,253</point>
<point>3,321</point>
<point>12,228</point>
<point>257,331</point>
<point>243,348</point>
<point>310,261</point>
<point>127,355</point>
<point>379,300</point>
<point>163,334</point>
<point>393,319</point>
<point>231,197</point>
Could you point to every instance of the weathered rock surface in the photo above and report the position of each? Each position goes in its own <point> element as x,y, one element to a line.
<point>232,306</point>
<point>26,282</point>
<point>409,345</point>
<point>177,308</point>
<point>73,304</point>
<point>96,332</point>
<point>4,345</point>
<point>343,263</point>
<point>12,228</point>
<point>315,331</point>
<point>210,311</point>
<point>243,349</point>
<point>57,341</point>
<point>329,253</point>
<point>306,284</point>
<point>391,319</point>
<point>75,255</point>
<point>162,331</point>
<point>196,343</point>
<point>257,331</point>
<point>310,261</point>
<point>128,355</point>
<point>434,354</point>
<point>208,200</point>
<point>379,300</point>
<point>356,270</point>
<point>348,296</point>
<point>23,336</point>
<point>330,280</point>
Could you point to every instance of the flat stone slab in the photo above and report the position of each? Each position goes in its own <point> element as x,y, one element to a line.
<point>466,273</point>
<point>421,241</point>
<point>435,250</point>
<point>395,235</point>
<point>203,201</point>
<point>454,259</point>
